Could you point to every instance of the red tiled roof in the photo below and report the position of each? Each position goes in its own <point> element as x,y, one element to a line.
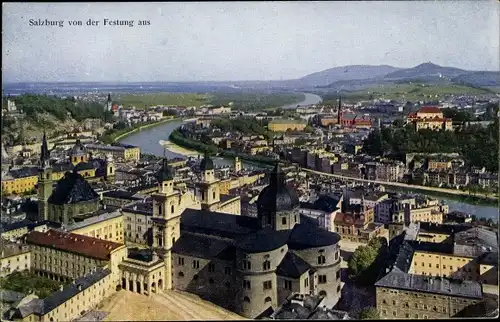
<point>411,115</point>
<point>429,109</point>
<point>74,243</point>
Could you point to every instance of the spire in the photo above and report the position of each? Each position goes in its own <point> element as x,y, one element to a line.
<point>339,113</point>
<point>277,176</point>
<point>44,153</point>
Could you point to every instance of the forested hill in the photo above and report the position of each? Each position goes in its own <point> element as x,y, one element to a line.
<point>477,144</point>
<point>41,112</point>
<point>61,108</point>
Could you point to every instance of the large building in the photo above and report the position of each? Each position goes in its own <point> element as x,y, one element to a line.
<point>409,296</point>
<point>118,151</point>
<point>429,117</point>
<point>415,285</point>
<point>26,179</point>
<point>253,263</point>
<point>283,125</point>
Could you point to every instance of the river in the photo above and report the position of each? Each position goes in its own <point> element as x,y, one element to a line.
<point>148,140</point>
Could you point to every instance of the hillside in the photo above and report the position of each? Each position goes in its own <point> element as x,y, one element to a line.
<point>424,70</point>
<point>50,113</point>
<point>484,78</point>
<point>344,73</point>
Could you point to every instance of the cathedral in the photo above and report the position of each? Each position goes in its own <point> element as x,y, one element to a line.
<point>72,195</point>
<point>244,264</point>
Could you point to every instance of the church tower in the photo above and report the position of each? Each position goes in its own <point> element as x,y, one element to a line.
<point>339,112</point>
<point>110,168</point>
<point>166,217</point>
<point>208,189</point>
<point>109,103</point>
<point>44,180</point>
<point>237,164</point>
<point>277,204</point>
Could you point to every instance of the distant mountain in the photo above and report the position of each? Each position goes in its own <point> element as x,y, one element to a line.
<point>426,70</point>
<point>345,73</point>
<point>484,78</point>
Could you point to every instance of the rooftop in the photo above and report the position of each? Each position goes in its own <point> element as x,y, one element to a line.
<point>74,243</point>
<point>200,246</point>
<point>434,285</point>
<point>72,188</point>
<point>292,266</point>
<point>94,218</point>
<point>42,307</point>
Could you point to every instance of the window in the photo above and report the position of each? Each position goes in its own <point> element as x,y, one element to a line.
<point>227,270</point>
<point>266,265</point>
<point>247,285</point>
<point>211,280</point>
<point>267,285</point>
<point>393,302</point>
<point>283,220</point>
<point>196,264</point>
<point>246,299</point>
<point>195,277</point>
<point>430,265</point>
<point>322,279</point>
<point>246,264</point>
<point>172,209</point>
<point>288,285</point>
<point>321,259</point>
<point>181,274</point>
<point>268,299</point>
<point>423,264</point>
<point>211,267</point>
<point>159,209</point>
<point>394,313</point>
<point>437,265</point>
<point>306,282</point>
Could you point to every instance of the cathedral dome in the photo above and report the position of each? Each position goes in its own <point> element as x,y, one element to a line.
<point>206,163</point>
<point>72,188</point>
<point>78,149</point>
<point>277,196</point>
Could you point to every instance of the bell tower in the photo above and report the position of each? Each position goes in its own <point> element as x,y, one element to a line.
<point>44,180</point>
<point>237,164</point>
<point>167,210</point>
<point>110,168</point>
<point>339,112</point>
<point>208,191</point>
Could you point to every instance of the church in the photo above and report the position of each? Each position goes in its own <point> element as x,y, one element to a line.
<point>72,194</point>
<point>204,246</point>
<point>245,264</point>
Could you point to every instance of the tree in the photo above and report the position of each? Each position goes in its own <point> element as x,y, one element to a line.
<point>369,313</point>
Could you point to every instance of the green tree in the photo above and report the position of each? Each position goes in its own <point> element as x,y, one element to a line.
<point>369,313</point>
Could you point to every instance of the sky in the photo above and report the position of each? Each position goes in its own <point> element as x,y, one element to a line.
<point>219,41</point>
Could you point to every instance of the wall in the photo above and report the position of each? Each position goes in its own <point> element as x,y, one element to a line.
<point>402,304</point>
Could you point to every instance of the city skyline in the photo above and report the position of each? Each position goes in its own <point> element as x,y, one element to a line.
<point>243,41</point>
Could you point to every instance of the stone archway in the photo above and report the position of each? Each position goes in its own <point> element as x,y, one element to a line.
<point>153,287</point>
<point>138,287</point>
<point>160,284</point>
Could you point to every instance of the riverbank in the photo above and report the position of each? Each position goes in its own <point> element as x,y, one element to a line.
<point>468,199</point>
<point>190,144</point>
<point>174,148</point>
<point>142,127</point>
